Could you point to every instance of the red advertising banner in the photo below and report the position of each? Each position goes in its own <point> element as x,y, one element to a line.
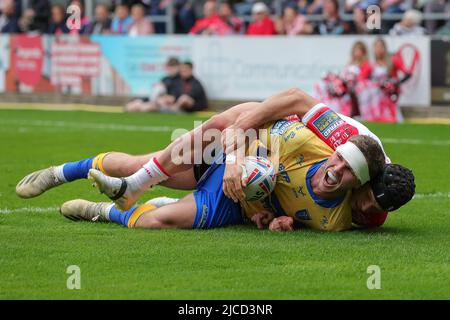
<point>27,56</point>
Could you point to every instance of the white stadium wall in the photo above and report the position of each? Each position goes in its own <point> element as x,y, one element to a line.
<point>231,68</point>
<point>256,67</point>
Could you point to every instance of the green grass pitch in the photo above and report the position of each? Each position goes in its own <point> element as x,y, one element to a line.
<point>412,249</point>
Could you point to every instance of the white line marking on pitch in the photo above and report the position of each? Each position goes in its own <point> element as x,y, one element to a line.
<point>88,125</point>
<point>415,141</point>
<point>42,209</point>
<point>134,128</point>
<point>27,209</point>
<point>432,195</point>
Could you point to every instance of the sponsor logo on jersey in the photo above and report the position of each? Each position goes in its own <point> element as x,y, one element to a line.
<point>291,134</point>
<point>300,160</point>
<point>302,215</point>
<point>298,191</point>
<point>283,173</point>
<point>324,222</point>
<point>280,127</point>
<point>328,122</point>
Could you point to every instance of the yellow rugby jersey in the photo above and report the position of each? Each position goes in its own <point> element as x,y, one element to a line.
<point>298,153</point>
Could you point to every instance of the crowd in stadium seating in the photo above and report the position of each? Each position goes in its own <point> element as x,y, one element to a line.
<point>208,17</point>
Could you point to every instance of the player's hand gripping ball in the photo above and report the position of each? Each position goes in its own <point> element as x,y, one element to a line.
<point>261,178</point>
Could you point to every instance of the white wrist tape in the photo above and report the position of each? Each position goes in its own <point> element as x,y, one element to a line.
<point>356,160</point>
<point>230,159</point>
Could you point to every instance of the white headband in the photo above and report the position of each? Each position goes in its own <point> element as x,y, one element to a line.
<point>356,160</point>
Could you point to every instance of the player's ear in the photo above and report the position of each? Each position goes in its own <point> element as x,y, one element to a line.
<point>357,183</point>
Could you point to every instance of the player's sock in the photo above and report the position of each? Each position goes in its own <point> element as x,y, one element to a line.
<point>149,175</point>
<point>71,171</point>
<point>129,217</point>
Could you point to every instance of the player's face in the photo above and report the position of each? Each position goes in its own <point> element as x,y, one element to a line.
<point>338,176</point>
<point>363,200</point>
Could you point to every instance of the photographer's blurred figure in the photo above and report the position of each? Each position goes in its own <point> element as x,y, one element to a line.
<point>164,92</point>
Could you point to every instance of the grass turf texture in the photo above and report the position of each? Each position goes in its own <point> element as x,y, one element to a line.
<point>37,244</point>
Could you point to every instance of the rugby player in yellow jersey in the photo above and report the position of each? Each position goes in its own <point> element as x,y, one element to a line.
<point>313,181</point>
<point>292,101</point>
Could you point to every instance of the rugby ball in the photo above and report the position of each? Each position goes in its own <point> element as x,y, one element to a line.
<point>261,178</point>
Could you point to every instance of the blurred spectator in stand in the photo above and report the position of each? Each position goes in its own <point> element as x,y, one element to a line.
<point>35,17</point>
<point>349,5</point>
<point>293,23</point>
<point>244,8</point>
<point>409,25</point>
<point>211,23</point>
<point>262,24</point>
<point>84,21</point>
<point>58,24</point>
<point>17,8</point>
<point>235,23</point>
<point>8,20</point>
<point>101,23</point>
<point>141,24</point>
<point>122,20</point>
<point>184,16</point>
<point>186,93</point>
<point>395,6</point>
<point>313,6</point>
<point>158,8</point>
<point>359,22</point>
<point>193,97</point>
<point>304,7</point>
<point>26,21</point>
<point>435,6</point>
<point>163,93</point>
<point>332,23</point>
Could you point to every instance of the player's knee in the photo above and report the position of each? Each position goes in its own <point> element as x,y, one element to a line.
<point>148,220</point>
<point>155,219</point>
<point>154,223</point>
<point>127,165</point>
